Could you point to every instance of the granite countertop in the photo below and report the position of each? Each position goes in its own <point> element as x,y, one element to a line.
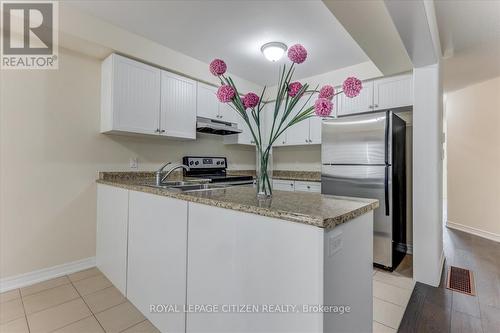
<point>308,176</point>
<point>324,211</point>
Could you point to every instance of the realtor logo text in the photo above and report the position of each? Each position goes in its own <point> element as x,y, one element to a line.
<point>29,35</point>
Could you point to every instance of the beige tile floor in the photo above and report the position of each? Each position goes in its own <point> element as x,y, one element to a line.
<point>391,293</point>
<point>87,302</point>
<point>83,302</point>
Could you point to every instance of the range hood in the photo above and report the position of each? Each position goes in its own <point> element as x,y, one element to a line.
<point>217,127</point>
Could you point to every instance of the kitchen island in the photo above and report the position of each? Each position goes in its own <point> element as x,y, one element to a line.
<point>222,261</point>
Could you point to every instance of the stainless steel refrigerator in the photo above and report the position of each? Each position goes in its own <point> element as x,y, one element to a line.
<point>364,156</point>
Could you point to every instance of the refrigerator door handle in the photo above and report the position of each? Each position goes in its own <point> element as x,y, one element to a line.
<point>386,191</point>
<point>386,135</point>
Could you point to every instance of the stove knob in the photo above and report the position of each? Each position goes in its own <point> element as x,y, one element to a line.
<point>196,163</point>
<point>191,163</point>
<point>218,162</point>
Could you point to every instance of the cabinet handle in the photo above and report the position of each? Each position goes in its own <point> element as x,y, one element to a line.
<point>251,141</point>
<point>162,131</point>
<point>157,130</point>
<point>307,140</point>
<point>283,142</point>
<point>375,105</point>
<point>308,187</point>
<point>370,106</point>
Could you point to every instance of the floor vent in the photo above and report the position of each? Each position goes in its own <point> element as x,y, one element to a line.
<point>461,280</point>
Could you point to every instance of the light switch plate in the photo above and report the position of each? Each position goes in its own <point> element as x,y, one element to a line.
<point>134,163</point>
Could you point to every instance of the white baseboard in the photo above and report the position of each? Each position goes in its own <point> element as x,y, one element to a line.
<point>474,231</point>
<point>409,249</point>
<point>441,264</point>
<point>26,279</point>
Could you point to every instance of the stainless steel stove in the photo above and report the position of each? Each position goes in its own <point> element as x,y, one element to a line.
<point>213,168</point>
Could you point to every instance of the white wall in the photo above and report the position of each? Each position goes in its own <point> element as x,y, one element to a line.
<point>473,127</point>
<point>50,152</point>
<point>427,175</point>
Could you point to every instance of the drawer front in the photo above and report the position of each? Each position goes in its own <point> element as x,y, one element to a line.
<point>308,186</point>
<point>283,185</point>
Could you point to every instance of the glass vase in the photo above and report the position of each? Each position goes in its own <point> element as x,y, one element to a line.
<point>264,172</point>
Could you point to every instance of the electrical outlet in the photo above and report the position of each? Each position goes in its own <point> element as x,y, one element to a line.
<point>335,243</point>
<point>134,163</point>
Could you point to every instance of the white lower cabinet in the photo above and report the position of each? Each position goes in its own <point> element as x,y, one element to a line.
<point>157,245</point>
<point>283,185</point>
<point>237,258</point>
<point>308,186</point>
<point>295,185</point>
<point>230,259</point>
<point>111,238</point>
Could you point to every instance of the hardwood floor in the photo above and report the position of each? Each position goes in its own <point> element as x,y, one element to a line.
<point>441,310</point>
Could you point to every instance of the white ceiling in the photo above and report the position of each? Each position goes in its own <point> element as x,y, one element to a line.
<point>469,31</point>
<point>235,31</point>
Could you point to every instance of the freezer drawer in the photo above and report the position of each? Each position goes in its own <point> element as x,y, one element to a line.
<point>355,140</point>
<point>366,182</point>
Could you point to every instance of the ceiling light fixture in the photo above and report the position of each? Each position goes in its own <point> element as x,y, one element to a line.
<point>273,51</point>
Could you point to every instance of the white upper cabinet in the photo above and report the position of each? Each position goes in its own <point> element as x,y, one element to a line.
<point>178,106</point>
<point>298,134</point>
<point>142,99</point>
<point>245,137</point>
<point>315,130</point>
<point>130,100</point>
<point>393,92</point>
<point>361,103</point>
<point>210,107</point>
<point>302,133</point>
<point>207,102</point>
<point>227,113</point>
<point>380,94</point>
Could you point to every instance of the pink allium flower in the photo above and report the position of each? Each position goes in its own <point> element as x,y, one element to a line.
<point>294,88</point>
<point>323,107</point>
<point>352,86</point>
<point>225,93</point>
<point>326,92</point>
<point>218,67</point>
<point>250,100</point>
<point>297,53</point>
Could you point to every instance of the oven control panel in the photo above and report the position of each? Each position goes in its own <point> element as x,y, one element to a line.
<point>205,162</point>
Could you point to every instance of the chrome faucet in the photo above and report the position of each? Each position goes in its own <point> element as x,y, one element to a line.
<point>158,175</point>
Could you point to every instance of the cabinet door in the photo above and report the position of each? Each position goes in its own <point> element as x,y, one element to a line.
<point>238,258</point>
<point>227,113</point>
<point>245,137</point>
<point>157,257</point>
<point>393,92</point>
<point>361,103</point>
<point>178,106</point>
<point>302,186</point>
<point>207,102</point>
<point>111,237</point>
<point>282,139</point>
<point>136,96</point>
<point>284,185</point>
<point>315,124</point>
<point>298,134</point>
